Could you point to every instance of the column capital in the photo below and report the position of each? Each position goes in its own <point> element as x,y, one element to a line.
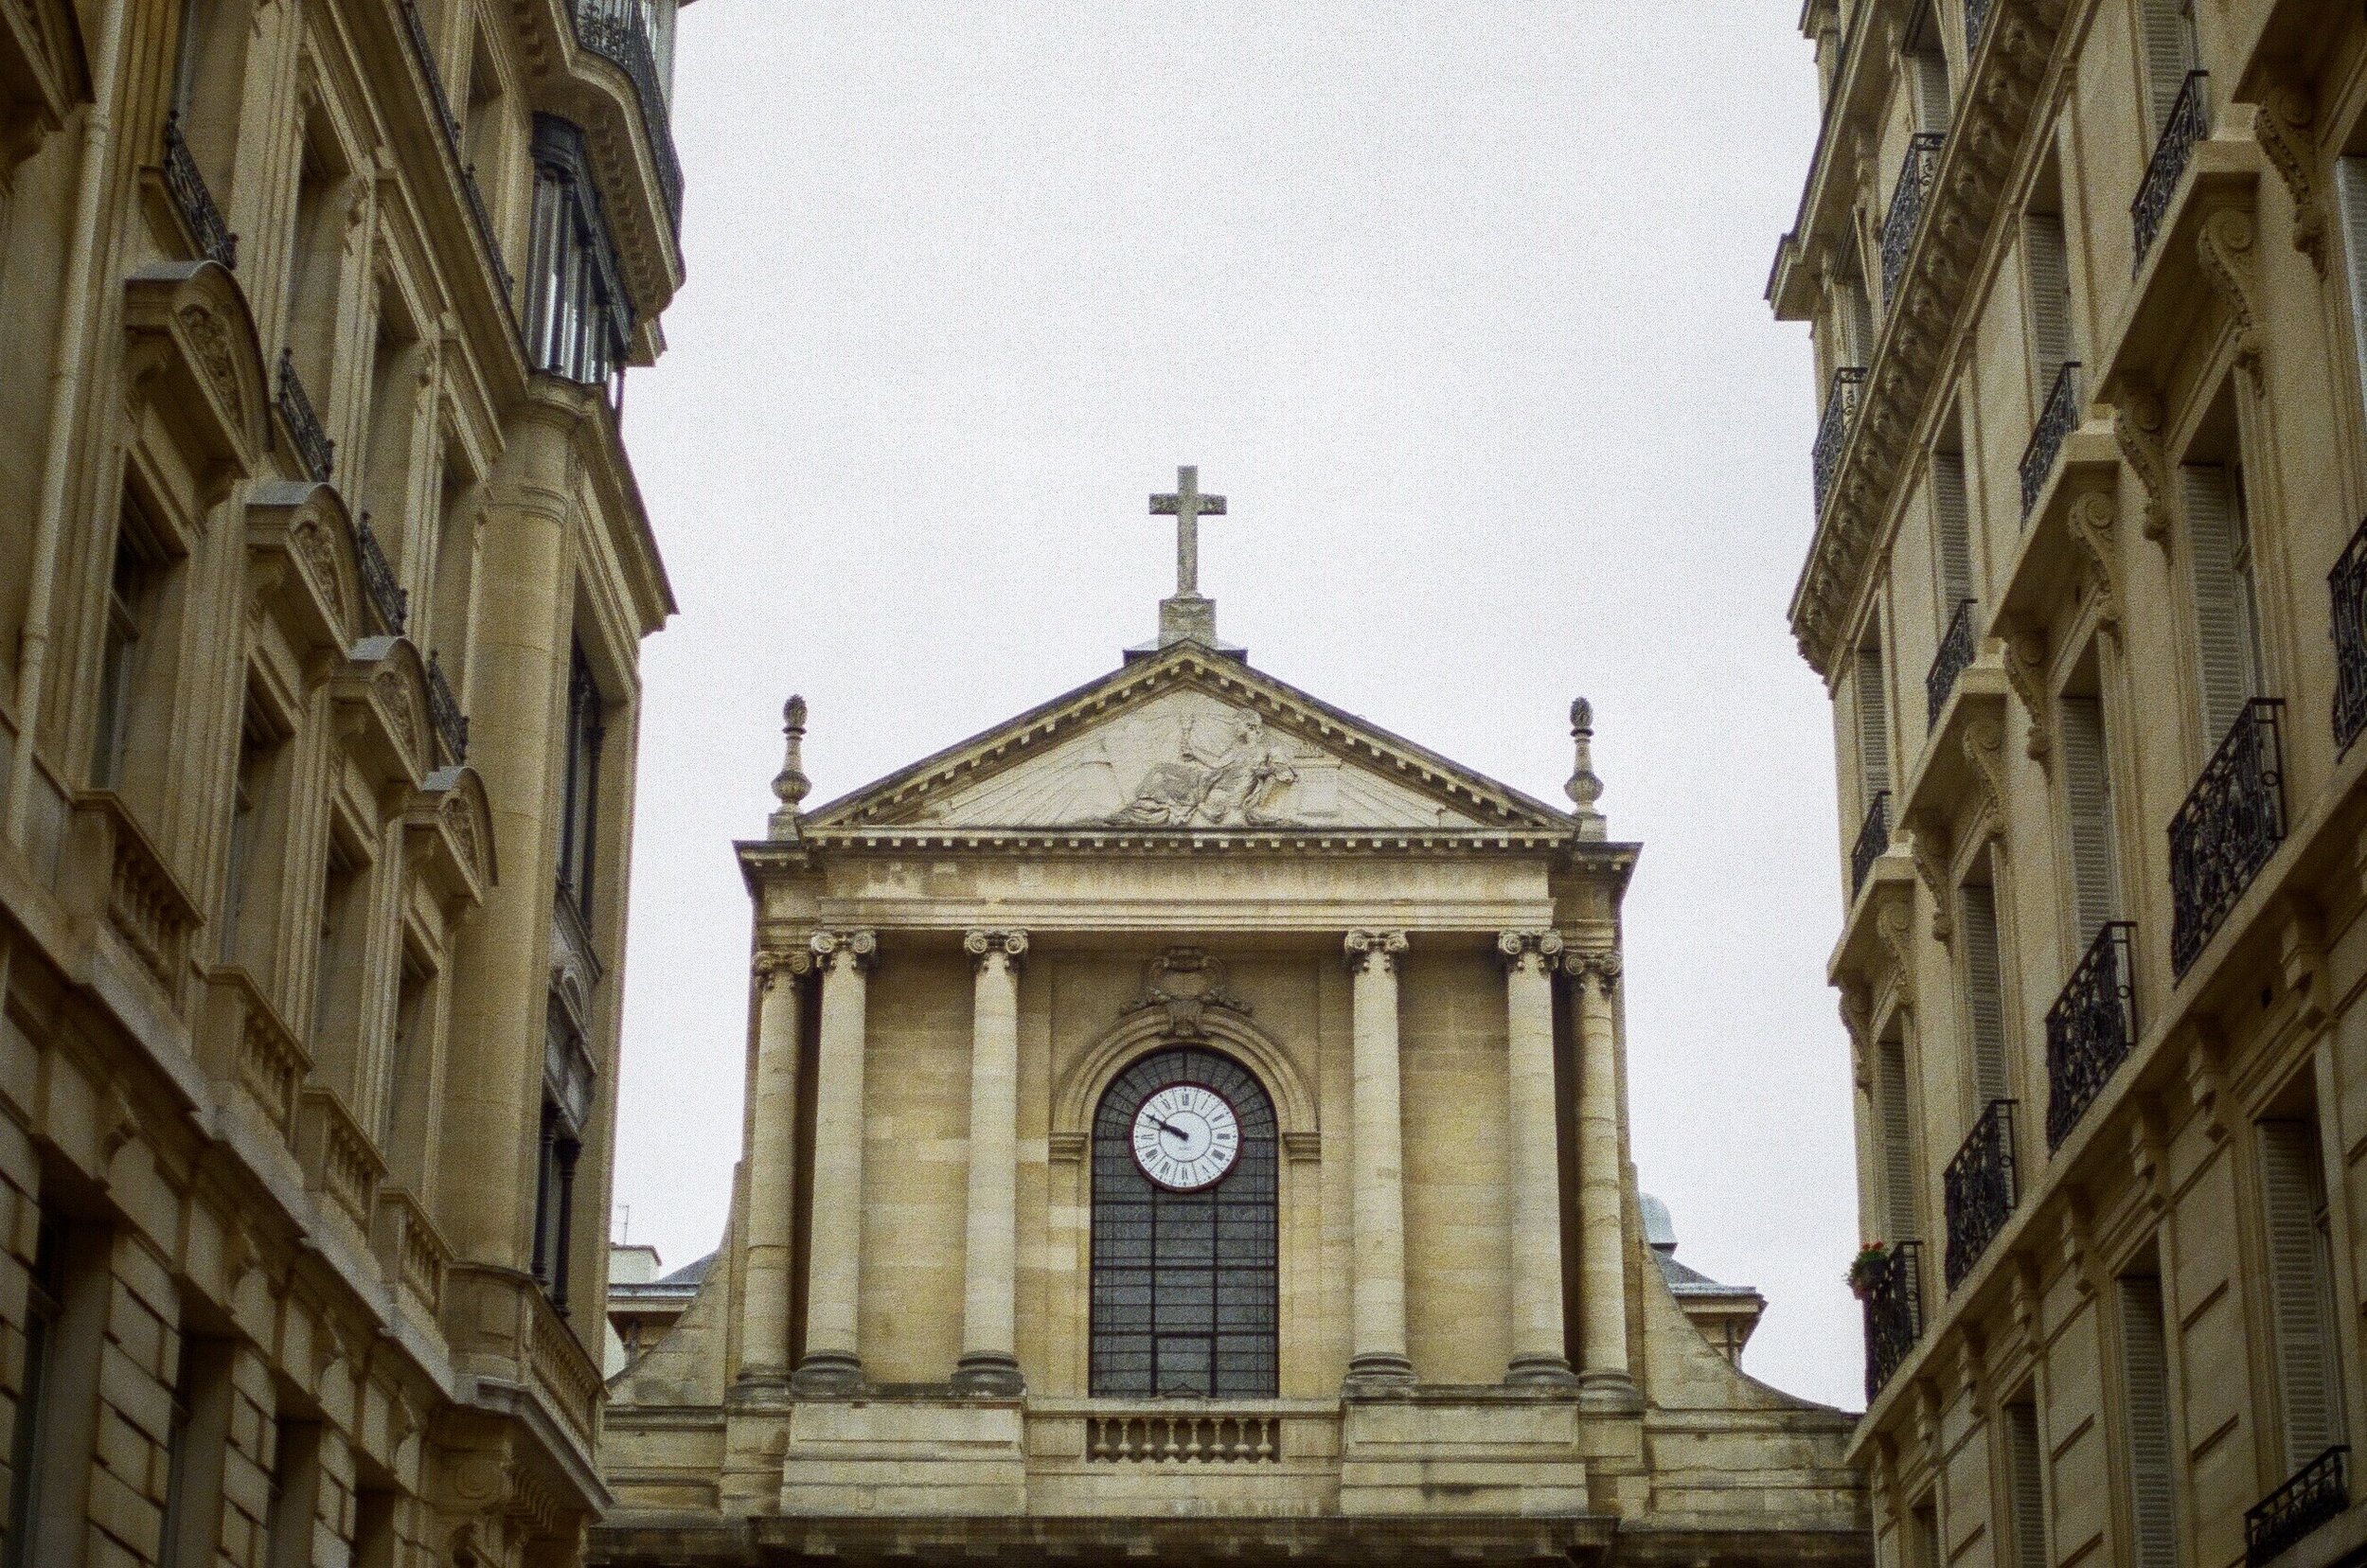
<point>1518,947</point>
<point>1597,967</point>
<point>859,946</point>
<point>772,964</point>
<point>1368,950</point>
<point>984,945</point>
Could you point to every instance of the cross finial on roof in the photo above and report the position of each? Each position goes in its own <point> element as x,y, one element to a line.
<point>1187,616</point>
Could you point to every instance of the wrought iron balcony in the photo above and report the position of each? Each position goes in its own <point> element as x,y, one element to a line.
<point>1873,836</point>
<point>1955,653</point>
<point>2231,822</point>
<point>195,200</point>
<point>2189,122</point>
<point>2318,1492</point>
<point>1894,1314</point>
<point>387,598</point>
<point>2058,417</point>
<point>2090,1030</point>
<point>312,445</point>
<point>1976,23</point>
<point>619,32</point>
<point>2347,584</point>
<point>450,123</point>
<point>452,725</point>
<point>1914,182</point>
<point>1832,431</point>
<point>1981,1188</point>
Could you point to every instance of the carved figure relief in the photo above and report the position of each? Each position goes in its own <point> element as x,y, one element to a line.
<point>1230,771</point>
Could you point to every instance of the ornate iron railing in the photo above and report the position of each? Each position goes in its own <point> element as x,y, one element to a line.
<point>1832,430</point>
<point>1981,1188</point>
<point>449,124</point>
<point>2319,1491</point>
<point>2058,417</point>
<point>618,31</point>
<point>1873,836</point>
<point>195,198</point>
<point>1894,1314</point>
<point>386,596</point>
<point>314,448</point>
<point>1898,230</point>
<point>2090,1030</point>
<point>1976,23</point>
<point>2347,586</point>
<point>2231,822</point>
<point>2189,122</point>
<point>452,725</point>
<point>1955,653</point>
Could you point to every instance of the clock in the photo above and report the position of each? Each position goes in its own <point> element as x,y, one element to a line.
<point>1186,1137</point>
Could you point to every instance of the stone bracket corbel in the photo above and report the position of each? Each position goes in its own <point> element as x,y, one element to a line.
<point>2025,660</point>
<point>2282,125</point>
<point>2137,418</point>
<point>2223,249</point>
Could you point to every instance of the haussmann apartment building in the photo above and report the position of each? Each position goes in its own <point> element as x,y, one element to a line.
<point>2087,281</point>
<point>322,579</point>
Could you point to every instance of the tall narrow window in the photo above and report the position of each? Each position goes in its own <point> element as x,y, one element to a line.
<point>2046,262</point>
<point>1856,321</point>
<point>296,1484</point>
<point>209,80</point>
<point>2146,1394</point>
<point>555,1202</point>
<point>1898,1157</point>
<point>2350,191</point>
<point>315,263</point>
<point>2227,606</point>
<point>580,805</point>
<point>2024,1487</point>
<point>1874,743</point>
<point>1984,993</point>
<point>396,362</point>
<point>1951,520</point>
<point>197,1438</point>
<point>1923,1534</point>
<point>131,601</point>
<point>29,1447</point>
<point>1927,62</point>
<point>2301,1283</point>
<point>2088,800</point>
<point>2170,53</point>
<point>578,317</point>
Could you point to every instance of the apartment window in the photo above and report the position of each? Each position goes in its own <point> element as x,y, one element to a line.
<point>395,396</point>
<point>1856,321</point>
<point>2349,192</point>
<point>2024,1487</point>
<point>1984,992</point>
<point>2226,605</point>
<point>1927,73</point>
<point>2087,808</point>
<point>374,1539</point>
<point>2046,278</point>
<point>1874,746</point>
<point>29,1447</point>
<point>1923,1534</point>
<point>579,806</point>
<point>2300,1286</point>
<point>134,581</point>
<point>2171,51</point>
<point>1896,1116</point>
<point>337,986</point>
<point>208,82</point>
<point>315,262</point>
<point>578,318</point>
<point>555,1201</point>
<point>406,1110</point>
<point>2146,1397</point>
<point>296,1484</point>
<point>1951,523</point>
<point>256,847</point>
<point>196,1439</point>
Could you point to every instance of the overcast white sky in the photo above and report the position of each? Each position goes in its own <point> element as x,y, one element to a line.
<point>1459,305</point>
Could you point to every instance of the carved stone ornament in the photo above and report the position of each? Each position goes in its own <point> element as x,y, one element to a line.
<point>859,948</point>
<point>1857,1017</point>
<point>2025,661</point>
<point>790,963</point>
<point>1928,844</point>
<point>2137,428</point>
<point>2090,516</point>
<point>2282,126</point>
<point>2224,248</point>
<point>2206,1083</point>
<point>1985,748</point>
<point>461,824</point>
<point>211,341</point>
<point>1225,773</point>
<point>394,695</point>
<point>1598,968</point>
<point>1186,981</point>
<point>1372,949</point>
<point>1007,945</point>
<point>1894,923</point>
<point>1517,947</point>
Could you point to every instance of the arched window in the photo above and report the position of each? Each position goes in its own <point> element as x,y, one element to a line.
<point>1185,1293</point>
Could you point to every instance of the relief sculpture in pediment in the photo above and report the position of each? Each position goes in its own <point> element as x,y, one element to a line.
<point>1229,774</point>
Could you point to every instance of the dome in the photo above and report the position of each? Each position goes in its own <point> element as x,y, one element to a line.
<point>1658,1229</point>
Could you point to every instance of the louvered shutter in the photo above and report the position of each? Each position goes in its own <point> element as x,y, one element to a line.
<point>2220,633</point>
<point>2023,1465</point>
<point>1861,322</point>
<point>2350,191</point>
<point>1898,1159</point>
<point>1874,744</point>
<point>2145,1386</point>
<point>1930,88</point>
<point>1952,516</point>
<point>2302,1286</point>
<point>2048,263</point>
<point>2169,55</point>
<point>1985,1003</point>
<point>2087,796</point>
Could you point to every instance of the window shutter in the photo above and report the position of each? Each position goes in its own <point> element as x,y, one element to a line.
<point>2024,1465</point>
<point>2145,1384</point>
<point>2169,55</point>
<point>1874,746</point>
<point>1952,516</point>
<point>1984,993</point>
<point>2302,1286</point>
<point>2221,634</point>
<point>1930,88</point>
<point>2087,796</point>
<point>1898,1159</point>
<point>1860,318</point>
<point>2350,191</point>
<point>2049,267</point>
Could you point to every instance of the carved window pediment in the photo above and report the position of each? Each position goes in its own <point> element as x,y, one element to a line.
<point>193,359</point>
<point>383,683</point>
<point>451,827</point>
<point>302,545</point>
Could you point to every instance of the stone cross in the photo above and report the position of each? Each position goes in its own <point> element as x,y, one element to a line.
<point>1187,507</point>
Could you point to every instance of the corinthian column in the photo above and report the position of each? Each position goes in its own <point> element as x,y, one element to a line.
<point>1604,1382</point>
<point>1537,1354</point>
<point>772,1175</point>
<point>989,1362</point>
<point>1377,1361</point>
<point>833,1296</point>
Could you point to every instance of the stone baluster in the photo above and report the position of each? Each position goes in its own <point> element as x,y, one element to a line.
<point>990,1361</point>
<point>1538,1333</point>
<point>832,1364</point>
<point>772,1175</point>
<point>1603,1379</point>
<point>1377,1361</point>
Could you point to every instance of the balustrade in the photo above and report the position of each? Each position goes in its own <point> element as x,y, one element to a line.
<point>387,597</point>
<point>194,198</point>
<point>315,449</point>
<point>1185,1437</point>
<point>619,32</point>
<point>443,708</point>
<point>2319,1491</point>
<point>2231,822</point>
<point>1957,645</point>
<point>1894,1314</point>
<point>1899,229</point>
<point>1832,430</point>
<point>2090,1030</point>
<point>2189,122</point>
<point>1976,24</point>
<point>449,124</point>
<point>2058,417</point>
<point>1874,837</point>
<point>2347,586</point>
<point>1981,1188</point>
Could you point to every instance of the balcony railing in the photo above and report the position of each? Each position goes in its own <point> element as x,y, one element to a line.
<point>618,31</point>
<point>1955,653</point>
<point>2058,417</point>
<point>1832,431</point>
<point>195,198</point>
<point>1976,23</point>
<point>2090,1030</point>
<point>1894,1314</point>
<point>452,725</point>
<point>386,596</point>
<point>2231,822</point>
<point>2318,1492</point>
<point>2189,122</point>
<point>1873,836</point>
<point>2347,584</point>
<point>315,449</point>
<point>449,124</point>
<point>1899,229</point>
<point>1981,1188</point>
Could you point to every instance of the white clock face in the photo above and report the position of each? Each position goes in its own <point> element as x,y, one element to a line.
<point>1186,1137</point>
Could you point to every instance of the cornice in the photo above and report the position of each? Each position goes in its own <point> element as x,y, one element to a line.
<point>818,843</point>
<point>1984,147</point>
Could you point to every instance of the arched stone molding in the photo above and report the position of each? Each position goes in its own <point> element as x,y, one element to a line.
<point>383,685</point>
<point>450,827</point>
<point>300,545</point>
<point>194,363</point>
<point>1079,1092</point>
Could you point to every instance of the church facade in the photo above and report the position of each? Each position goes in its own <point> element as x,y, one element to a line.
<point>1188,1118</point>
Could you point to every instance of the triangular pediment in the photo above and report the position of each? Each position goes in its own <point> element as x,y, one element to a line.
<point>1189,741</point>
